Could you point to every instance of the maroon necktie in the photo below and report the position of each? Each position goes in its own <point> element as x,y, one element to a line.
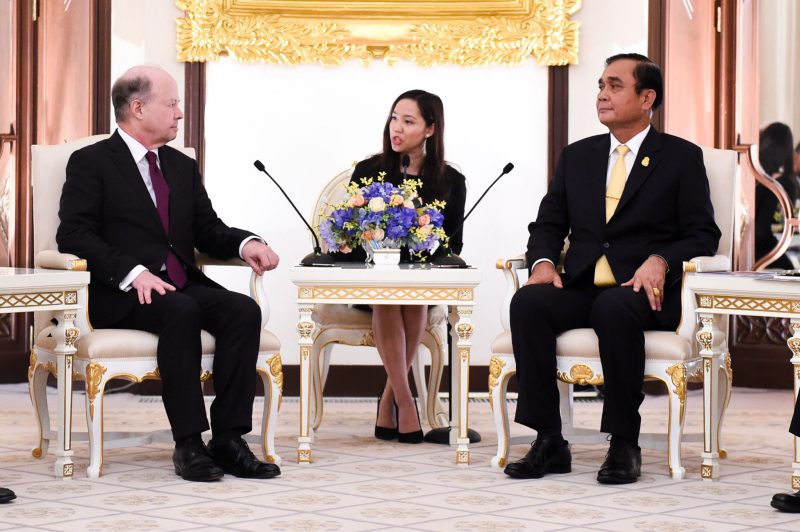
<point>175,270</point>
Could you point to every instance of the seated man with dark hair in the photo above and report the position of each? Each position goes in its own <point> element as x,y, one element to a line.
<point>635,204</point>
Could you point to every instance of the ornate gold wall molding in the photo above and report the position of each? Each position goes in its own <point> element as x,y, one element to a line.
<point>427,32</point>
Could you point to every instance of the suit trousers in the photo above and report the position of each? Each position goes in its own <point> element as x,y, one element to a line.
<point>177,318</point>
<point>794,428</point>
<point>619,317</point>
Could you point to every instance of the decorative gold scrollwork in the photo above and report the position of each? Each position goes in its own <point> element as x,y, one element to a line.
<point>678,374</point>
<point>94,376</point>
<point>462,457</point>
<point>465,330</point>
<point>303,456</point>
<point>71,336</point>
<point>276,370</point>
<point>463,33</point>
<point>368,339</point>
<point>706,471</point>
<point>496,365</point>
<point>305,328</point>
<point>31,365</point>
<point>580,374</point>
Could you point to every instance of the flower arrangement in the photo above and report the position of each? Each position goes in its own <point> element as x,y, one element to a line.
<point>379,215</point>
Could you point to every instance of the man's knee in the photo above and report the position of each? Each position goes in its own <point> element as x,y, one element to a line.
<point>531,301</point>
<point>176,307</point>
<point>615,305</point>
<point>244,310</point>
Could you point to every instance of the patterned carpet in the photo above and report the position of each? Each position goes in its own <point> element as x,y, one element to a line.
<point>358,483</point>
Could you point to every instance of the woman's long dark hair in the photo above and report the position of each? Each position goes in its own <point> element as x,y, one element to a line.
<point>776,155</point>
<point>434,167</point>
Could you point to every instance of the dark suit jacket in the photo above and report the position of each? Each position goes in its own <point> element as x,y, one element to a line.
<point>109,219</point>
<point>665,209</point>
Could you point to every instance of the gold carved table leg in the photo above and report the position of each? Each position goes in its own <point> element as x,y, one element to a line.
<point>710,338</point>
<point>463,329</point>
<point>67,334</point>
<point>305,326</point>
<point>794,344</point>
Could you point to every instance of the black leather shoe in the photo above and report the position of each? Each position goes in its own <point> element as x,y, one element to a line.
<point>786,502</point>
<point>548,454</point>
<point>384,433</point>
<point>235,458</point>
<point>6,495</point>
<point>623,463</point>
<point>193,462</point>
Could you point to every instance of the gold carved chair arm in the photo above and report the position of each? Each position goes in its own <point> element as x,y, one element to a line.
<point>55,260</point>
<point>511,268</point>
<point>717,263</point>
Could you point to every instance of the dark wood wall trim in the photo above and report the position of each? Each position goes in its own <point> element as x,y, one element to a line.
<point>195,109</point>
<point>657,47</point>
<point>557,115</point>
<point>725,126</point>
<point>101,68</point>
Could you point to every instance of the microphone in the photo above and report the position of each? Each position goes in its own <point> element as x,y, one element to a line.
<point>405,162</point>
<point>317,258</point>
<point>450,260</point>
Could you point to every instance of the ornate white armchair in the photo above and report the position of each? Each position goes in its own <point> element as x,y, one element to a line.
<point>670,357</point>
<point>105,354</point>
<point>342,324</point>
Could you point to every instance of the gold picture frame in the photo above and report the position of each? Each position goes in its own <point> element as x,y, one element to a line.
<point>427,32</point>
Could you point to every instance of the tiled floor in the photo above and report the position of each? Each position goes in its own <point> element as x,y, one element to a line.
<point>359,483</point>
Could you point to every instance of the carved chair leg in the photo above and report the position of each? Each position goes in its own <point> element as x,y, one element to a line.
<point>96,380</point>
<point>272,378</point>
<point>320,364</point>
<point>37,387</point>
<point>499,374</point>
<point>565,405</point>
<point>436,414</point>
<point>418,370</point>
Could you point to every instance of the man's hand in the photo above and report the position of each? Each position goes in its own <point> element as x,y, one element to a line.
<point>650,275</point>
<point>146,282</point>
<point>545,273</point>
<point>259,256</point>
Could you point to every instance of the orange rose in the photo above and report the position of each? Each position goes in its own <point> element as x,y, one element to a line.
<point>358,201</point>
<point>424,220</point>
<point>366,235</point>
<point>396,200</point>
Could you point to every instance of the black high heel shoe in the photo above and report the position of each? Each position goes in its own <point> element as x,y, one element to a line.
<point>384,433</point>
<point>409,437</point>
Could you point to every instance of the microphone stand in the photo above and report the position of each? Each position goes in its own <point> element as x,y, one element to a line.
<point>448,259</point>
<point>317,257</point>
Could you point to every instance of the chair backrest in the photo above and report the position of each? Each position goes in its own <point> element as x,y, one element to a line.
<point>722,168</point>
<point>333,193</point>
<point>48,173</point>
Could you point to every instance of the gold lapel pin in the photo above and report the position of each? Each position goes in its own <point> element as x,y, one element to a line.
<point>646,162</point>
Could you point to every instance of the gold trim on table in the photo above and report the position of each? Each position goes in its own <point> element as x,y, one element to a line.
<point>38,299</point>
<point>382,293</point>
<point>744,304</point>
<point>426,32</point>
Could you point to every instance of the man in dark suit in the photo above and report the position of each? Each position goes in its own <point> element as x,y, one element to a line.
<point>635,204</point>
<point>136,209</point>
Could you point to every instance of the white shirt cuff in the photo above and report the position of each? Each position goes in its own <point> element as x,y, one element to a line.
<point>541,260</point>
<point>125,285</point>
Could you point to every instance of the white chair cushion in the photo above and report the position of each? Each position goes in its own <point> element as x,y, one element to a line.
<point>582,343</point>
<point>129,343</point>
<point>326,316</point>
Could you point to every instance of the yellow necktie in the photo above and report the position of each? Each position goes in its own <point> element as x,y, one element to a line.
<point>603,276</point>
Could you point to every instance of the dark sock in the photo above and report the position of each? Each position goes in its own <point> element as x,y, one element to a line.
<point>553,434</point>
<point>225,435</point>
<point>192,438</point>
<point>632,443</point>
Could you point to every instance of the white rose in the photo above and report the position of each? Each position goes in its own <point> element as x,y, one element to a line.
<point>377,205</point>
<point>408,204</point>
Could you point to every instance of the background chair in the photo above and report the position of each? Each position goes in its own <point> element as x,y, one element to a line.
<point>105,354</point>
<point>342,324</point>
<point>670,357</point>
